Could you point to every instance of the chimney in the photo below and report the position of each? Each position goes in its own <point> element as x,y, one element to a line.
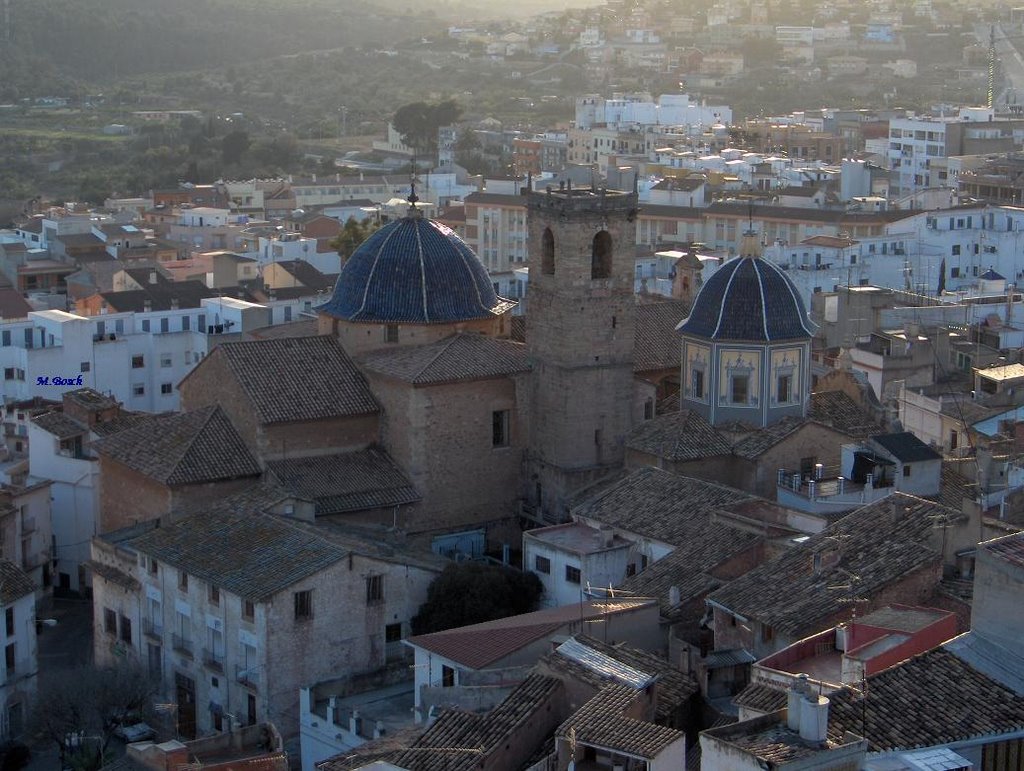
<point>147,305</point>
<point>794,696</point>
<point>174,303</point>
<point>814,719</point>
<point>354,721</point>
<point>674,596</point>
<point>152,277</point>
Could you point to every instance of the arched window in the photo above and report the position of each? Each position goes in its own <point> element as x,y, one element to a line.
<point>547,253</point>
<point>601,256</point>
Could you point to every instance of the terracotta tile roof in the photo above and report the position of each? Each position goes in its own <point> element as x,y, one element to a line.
<point>188,294</point>
<point>657,504</point>
<point>487,733</point>
<point>114,575</point>
<point>59,424</point>
<point>13,305</point>
<point>346,482</point>
<point>678,436</point>
<point>120,423</point>
<point>838,410</point>
<point>656,343</point>
<point>1008,548</point>
<point>182,448</point>
<point>297,379</point>
<point>601,722</point>
<point>932,699</point>
<point>880,544</point>
<point>304,328</point>
<point>759,441</point>
<point>761,698</point>
<point>459,357</point>
<point>233,551</point>
<point>14,582</point>
<point>478,645</point>
<point>674,688</point>
<point>306,274</point>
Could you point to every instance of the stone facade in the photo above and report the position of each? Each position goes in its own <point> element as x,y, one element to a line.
<point>580,333</point>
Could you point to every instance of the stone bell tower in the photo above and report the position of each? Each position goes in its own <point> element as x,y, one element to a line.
<point>580,323</point>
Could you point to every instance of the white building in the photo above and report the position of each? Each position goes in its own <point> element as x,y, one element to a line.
<point>20,667</point>
<point>137,357</point>
<point>235,613</point>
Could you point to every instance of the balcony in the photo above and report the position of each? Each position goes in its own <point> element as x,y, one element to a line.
<point>152,628</point>
<point>181,645</point>
<point>248,676</point>
<point>822,493</point>
<point>213,660</point>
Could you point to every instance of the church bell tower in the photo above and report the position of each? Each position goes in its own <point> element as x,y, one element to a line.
<point>580,323</point>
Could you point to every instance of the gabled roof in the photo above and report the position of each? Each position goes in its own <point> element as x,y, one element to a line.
<point>657,504</point>
<point>14,582</point>
<point>346,482</point>
<point>297,378</point>
<point>306,274</point>
<point>252,555</point>
<point>478,645</point>
<point>462,356</point>
<point>12,304</point>
<point>935,698</point>
<point>837,410</point>
<point>182,448</point>
<point>599,664</point>
<point>188,294</point>
<point>906,447</point>
<point>602,722</point>
<point>880,544</point>
<point>678,436</point>
<point>655,342</point>
<point>59,424</point>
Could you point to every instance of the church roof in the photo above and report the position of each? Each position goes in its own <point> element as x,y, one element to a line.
<point>748,298</point>
<point>414,271</point>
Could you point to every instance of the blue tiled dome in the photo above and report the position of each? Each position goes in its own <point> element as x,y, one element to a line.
<point>748,298</point>
<point>414,271</point>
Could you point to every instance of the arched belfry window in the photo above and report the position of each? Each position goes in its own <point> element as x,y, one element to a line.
<point>601,256</point>
<point>547,253</point>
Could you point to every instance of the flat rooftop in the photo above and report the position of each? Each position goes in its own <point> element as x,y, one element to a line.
<point>578,538</point>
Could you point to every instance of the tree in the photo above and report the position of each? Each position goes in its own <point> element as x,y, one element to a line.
<point>471,592</point>
<point>418,123</point>
<point>942,278</point>
<point>233,146</point>
<point>81,712</point>
<point>352,234</point>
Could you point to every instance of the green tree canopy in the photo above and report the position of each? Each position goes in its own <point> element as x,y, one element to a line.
<point>418,123</point>
<point>352,234</point>
<point>472,592</point>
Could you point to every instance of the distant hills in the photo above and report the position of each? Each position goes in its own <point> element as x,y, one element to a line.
<point>102,41</point>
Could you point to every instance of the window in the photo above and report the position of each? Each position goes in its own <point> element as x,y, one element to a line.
<point>126,630</point>
<point>697,383</point>
<point>906,471</point>
<point>213,595</point>
<point>572,574</point>
<point>648,409</point>
<point>393,633</point>
<point>740,388</point>
<point>165,325</point>
<point>109,622</point>
<point>9,659</point>
<point>8,373</point>
<point>547,259</point>
<point>391,333</point>
<point>166,388</point>
<point>304,605</point>
<point>139,389</point>
<point>956,250</point>
<point>601,256</point>
<point>186,323</point>
<point>785,385</point>
<point>145,325</point>
<point>499,428</point>
<point>542,564</point>
<point>165,360</point>
<point>84,367</point>
<point>248,610</point>
<point>153,566</point>
<point>7,338</point>
<point>287,313</point>
<point>183,580</point>
<point>374,589</point>
<point>202,322</point>
<point>9,621</point>
<point>447,677</point>
<point>953,437</point>
<point>138,362</point>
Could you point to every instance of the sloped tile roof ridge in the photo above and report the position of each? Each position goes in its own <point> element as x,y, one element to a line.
<point>14,582</point>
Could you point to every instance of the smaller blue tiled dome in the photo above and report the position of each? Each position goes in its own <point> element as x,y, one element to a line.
<point>414,271</point>
<point>748,298</point>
